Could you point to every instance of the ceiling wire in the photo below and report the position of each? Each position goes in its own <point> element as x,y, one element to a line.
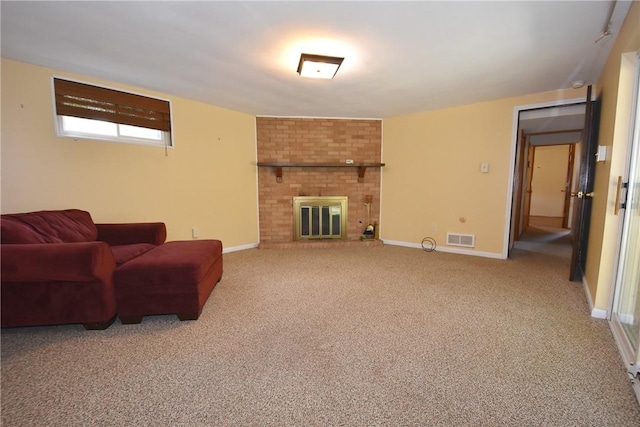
<point>607,26</point>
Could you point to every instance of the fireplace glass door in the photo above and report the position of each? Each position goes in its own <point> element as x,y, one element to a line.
<point>320,217</point>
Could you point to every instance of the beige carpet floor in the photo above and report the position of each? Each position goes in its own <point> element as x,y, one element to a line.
<point>387,336</point>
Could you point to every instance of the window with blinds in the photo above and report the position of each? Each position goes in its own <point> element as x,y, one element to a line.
<point>94,112</point>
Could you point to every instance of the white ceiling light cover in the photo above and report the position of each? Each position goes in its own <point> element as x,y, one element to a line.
<point>318,66</point>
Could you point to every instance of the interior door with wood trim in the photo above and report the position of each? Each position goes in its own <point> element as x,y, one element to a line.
<point>582,209</point>
<point>528,189</point>
<point>516,204</point>
<point>548,185</point>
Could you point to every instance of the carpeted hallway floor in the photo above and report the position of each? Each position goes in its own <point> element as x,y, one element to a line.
<point>356,337</point>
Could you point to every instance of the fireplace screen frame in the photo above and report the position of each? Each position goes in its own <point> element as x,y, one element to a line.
<point>326,206</point>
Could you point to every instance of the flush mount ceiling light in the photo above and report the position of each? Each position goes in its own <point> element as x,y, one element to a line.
<point>318,66</point>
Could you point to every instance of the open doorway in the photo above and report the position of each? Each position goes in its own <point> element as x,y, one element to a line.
<point>546,164</point>
<point>552,182</point>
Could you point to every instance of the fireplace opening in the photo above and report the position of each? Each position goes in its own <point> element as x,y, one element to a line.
<point>320,217</point>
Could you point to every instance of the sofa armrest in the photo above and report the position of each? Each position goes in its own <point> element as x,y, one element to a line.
<point>132,233</point>
<point>74,262</point>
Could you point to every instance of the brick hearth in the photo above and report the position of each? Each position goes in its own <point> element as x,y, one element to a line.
<point>309,140</point>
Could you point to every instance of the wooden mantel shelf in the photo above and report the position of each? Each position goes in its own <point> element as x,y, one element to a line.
<point>362,167</point>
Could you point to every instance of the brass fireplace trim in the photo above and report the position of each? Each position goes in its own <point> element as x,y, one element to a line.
<point>319,201</point>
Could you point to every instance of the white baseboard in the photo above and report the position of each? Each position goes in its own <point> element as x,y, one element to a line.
<point>444,249</point>
<point>628,319</point>
<point>405,244</point>
<point>240,248</point>
<point>597,313</point>
<point>636,388</point>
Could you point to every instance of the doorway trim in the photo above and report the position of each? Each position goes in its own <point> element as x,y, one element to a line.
<point>512,158</point>
<point>569,150</point>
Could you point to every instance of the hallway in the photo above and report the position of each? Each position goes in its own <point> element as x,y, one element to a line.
<point>545,239</point>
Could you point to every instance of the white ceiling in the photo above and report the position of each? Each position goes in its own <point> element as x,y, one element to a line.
<point>400,57</point>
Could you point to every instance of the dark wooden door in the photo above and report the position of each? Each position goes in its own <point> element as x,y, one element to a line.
<point>568,186</point>
<point>582,212</point>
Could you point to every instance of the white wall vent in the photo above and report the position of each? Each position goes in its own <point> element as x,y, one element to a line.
<point>466,240</point>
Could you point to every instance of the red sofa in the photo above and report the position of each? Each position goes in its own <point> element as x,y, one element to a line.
<point>58,266</point>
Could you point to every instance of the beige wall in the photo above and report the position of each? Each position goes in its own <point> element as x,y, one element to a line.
<point>432,176</point>
<point>614,88</point>
<point>207,181</point>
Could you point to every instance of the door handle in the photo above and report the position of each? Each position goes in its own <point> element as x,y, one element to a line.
<point>620,202</point>
<point>582,195</point>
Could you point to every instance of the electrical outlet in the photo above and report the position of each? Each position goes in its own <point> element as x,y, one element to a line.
<point>434,226</point>
<point>195,233</point>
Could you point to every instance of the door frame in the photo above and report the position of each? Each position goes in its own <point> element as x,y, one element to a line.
<point>630,356</point>
<point>571,147</point>
<point>528,185</point>
<point>512,161</point>
<point>516,230</point>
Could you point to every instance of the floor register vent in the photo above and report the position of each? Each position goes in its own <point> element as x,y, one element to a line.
<point>466,240</point>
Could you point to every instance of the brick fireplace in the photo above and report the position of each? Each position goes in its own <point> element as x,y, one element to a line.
<point>305,143</point>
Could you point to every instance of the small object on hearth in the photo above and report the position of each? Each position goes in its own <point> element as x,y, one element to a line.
<point>368,232</point>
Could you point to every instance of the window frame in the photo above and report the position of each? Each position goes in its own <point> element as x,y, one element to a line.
<point>167,141</point>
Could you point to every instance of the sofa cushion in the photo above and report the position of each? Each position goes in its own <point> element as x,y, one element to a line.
<point>177,263</point>
<point>62,226</point>
<point>176,277</point>
<point>124,253</point>
<point>14,231</point>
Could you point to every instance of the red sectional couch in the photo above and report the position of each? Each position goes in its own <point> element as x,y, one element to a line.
<point>59,267</point>
<point>176,277</point>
